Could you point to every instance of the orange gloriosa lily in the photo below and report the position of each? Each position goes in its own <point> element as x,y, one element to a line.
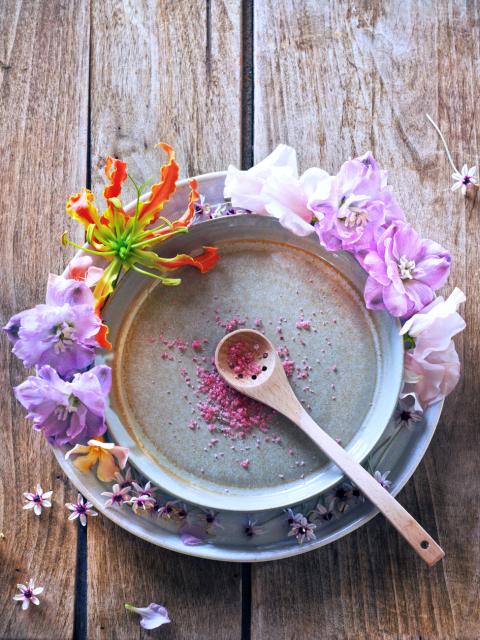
<point>125,240</point>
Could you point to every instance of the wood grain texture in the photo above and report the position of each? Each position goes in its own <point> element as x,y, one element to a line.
<point>43,117</point>
<point>334,79</point>
<point>165,71</point>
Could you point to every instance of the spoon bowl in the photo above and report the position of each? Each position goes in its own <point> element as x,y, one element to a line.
<point>261,349</point>
<point>248,362</point>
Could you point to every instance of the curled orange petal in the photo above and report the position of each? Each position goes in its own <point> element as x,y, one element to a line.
<point>101,337</point>
<point>204,262</point>
<point>186,219</point>
<point>116,172</point>
<point>161,191</point>
<point>80,206</point>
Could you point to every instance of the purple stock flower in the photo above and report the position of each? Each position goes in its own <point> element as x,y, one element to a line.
<point>404,271</point>
<point>60,333</point>
<point>152,616</point>
<point>353,205</point>
<point>66,412</point>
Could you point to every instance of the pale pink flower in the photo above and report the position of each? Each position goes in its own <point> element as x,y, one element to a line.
<point>38,500</point>
<point>244,187</point>
<point>80,509</point>
<point>28,594</point>
<point>432,367</point>
<point>286,198</point>
<point>152,616</point>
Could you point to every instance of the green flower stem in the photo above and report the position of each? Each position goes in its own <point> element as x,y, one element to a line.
<point>166,281</point>
<point>65,240</point>
<point>151,241</point>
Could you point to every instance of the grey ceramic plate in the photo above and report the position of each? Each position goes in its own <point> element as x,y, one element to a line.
<point>229,542</point>
<point>347,366</point>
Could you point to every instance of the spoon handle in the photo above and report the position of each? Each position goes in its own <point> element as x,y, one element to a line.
<point>408,527</point>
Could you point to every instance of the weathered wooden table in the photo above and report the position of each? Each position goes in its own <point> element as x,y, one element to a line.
<point>224,82</point>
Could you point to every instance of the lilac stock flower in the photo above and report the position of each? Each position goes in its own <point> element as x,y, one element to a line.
<point>66,412</point>
<point>353,205</point>
<point>60,333</point>
<point>404,271</point>
<point>193,534</point>
<point>152,616</point>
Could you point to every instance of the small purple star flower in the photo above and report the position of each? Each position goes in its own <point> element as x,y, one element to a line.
<point>300,527</point>
<point>37,500</point>
<point>252,529</point>
<point>116,496</point>
<point>124,480</point>
<point>80,509</point>
<point>28,594</point>
<point>381,478</point>
<point>144,498</point>
<point>210,519</point>
<point>408,412</point>
<point>322,512</point>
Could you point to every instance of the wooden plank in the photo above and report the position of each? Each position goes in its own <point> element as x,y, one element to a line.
<point>162,71</point>
<point>43,117</point>
<point>333,80</point>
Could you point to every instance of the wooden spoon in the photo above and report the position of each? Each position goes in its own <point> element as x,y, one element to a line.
<point>270,386</point>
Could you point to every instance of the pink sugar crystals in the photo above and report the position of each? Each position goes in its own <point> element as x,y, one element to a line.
<point>237,414</point>
<point>241,359</point>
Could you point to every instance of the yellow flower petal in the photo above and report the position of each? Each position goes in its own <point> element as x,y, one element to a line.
<point>78,448</point>
<point>85,463</point>
<point>107,468</point>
